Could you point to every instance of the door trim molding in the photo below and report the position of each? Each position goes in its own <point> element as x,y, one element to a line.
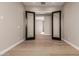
<point>30,38</point>
<point>59,25</point>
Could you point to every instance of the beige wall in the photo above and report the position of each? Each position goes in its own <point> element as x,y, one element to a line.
<point>71,23</point>
<point>38,25</point>
<point>11,24</point>
<point>48,24</point>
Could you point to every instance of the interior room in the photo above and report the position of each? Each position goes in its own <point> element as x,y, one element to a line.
<point>39,28</point>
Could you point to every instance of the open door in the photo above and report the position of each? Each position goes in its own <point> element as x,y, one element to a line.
<point>30,26</point>
<point>56,25</point>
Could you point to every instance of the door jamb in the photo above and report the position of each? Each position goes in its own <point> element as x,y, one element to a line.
<point>30,38</point>
<point>59,25</point>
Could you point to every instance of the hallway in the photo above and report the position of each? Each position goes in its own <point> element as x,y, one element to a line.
<point>43,45</point>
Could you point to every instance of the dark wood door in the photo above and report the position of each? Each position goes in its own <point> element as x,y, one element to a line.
<point>30,25</point>
<point>56,25</point>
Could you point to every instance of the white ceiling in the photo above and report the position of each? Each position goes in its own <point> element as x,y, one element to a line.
<point>43,9</point>
<point>53,4</point>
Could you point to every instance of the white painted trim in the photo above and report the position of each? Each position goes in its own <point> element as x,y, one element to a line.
<point>12,46</point>
<point>73,45</point>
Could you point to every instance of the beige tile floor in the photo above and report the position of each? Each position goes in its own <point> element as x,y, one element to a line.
<point>43,46</point>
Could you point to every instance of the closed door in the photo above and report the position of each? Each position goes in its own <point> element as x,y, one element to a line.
<point>30,29</point>
<point>56,25</point>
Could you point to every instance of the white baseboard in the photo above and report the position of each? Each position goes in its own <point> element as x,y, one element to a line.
<point>73,45</point>
<point>12,46</point>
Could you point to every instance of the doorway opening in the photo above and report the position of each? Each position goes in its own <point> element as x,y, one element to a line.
<point>56,25</point>
<point>30,26</point>
<point>43,24</point>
